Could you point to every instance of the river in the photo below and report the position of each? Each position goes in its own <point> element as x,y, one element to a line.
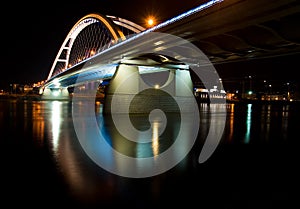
<point>255,164</point>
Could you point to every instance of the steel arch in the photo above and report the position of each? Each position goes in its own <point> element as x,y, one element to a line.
<point>85,21</point>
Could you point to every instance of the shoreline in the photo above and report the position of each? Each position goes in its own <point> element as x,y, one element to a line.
<point>101,99</point>
<point>252,101</point>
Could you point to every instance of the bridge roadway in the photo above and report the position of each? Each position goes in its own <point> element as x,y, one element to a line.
<point>227,31</point>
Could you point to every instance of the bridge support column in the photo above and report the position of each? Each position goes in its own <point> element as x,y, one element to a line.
<point>128,93</point>
<point>55,94</point>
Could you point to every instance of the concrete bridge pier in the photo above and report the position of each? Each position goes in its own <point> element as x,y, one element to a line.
<point>55,94</point>
<point>129,93</point>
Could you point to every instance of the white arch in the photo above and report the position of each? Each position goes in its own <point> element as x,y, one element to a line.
<point>74,32</point>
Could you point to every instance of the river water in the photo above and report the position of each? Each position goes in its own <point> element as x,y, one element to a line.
<point>255,164</point>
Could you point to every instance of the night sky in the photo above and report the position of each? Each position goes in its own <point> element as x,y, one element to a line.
<point>32,33</point>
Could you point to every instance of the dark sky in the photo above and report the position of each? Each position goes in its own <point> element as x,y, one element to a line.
<point>33,31</point>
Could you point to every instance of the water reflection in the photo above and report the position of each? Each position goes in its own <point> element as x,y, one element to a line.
<point>257,123</point>
<point>141,149</point>
<point>38,121</point>
<point>86,180</point>
<point>155,139</point>
<point>248,123</point>
<point>110,149</point>
<point>217,122</point>
<point>51,121</point>
<point>13,113</point>
<point>231,120</point>
<point>56,122</point>
<point>285,120</point>
<point>266,122</point>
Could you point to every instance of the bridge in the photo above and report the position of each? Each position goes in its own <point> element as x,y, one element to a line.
<point>106,49</point>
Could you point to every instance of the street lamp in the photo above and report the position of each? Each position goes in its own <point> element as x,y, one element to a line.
<point>288,91</point>
<point>220,81</point>
<point>250,83</point>
<point>150,22</point>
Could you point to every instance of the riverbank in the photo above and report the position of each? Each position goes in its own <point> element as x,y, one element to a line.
<point>33,97</point>
<point>37,97</point>
<point>255,101</point>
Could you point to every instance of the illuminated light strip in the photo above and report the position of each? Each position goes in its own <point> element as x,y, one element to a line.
<point>190,12</point>
<point>174,19</point>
